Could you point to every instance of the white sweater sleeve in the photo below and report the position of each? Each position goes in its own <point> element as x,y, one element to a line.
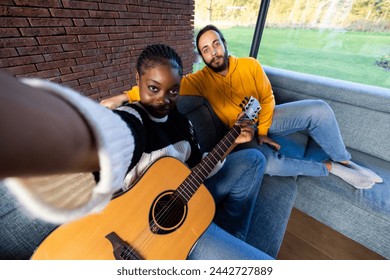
<point>63,198</point>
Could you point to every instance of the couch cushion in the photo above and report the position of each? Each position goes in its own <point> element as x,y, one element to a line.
<point>362,215</point>
<point>271,213</point>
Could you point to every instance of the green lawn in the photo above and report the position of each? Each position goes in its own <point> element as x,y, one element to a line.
<point>348,56</point>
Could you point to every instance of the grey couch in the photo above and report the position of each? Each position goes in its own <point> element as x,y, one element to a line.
<point>363,114</point>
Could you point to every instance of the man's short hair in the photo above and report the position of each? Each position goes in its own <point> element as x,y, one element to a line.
<point>204,30</point>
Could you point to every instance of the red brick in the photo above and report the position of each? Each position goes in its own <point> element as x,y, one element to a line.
<point>8,52</point>
<point>13,21</point>
<point>52,74</point>
<point>57,40</point>
<point>112,7</point>
<point>114,62</point>
<point>56,64</point>
<point>93,38</point>
<point>82,30</point>
<point>86,67</point>
<point>83,5</point>
<point>37,22</point>
<point>21,60</point>
<point>39,49</point>
<point>99,22</point>
<point>9,32</point>
<point>96,52</point>
<point>38,3</point>
<point>92,79</point>
<point>107,70</point>
<point>114,43</point>
<point>79,46</point>
<point>35,32</point>
<point>71,84</point>
<point>113,29</point>
<point>90,59</point>
<point>76,76</point>
<point>65,70</point>
<point>62,55</point>
<point>69,13</point>
<point>22,70</point>
<point>78,22</point>
<point>16,42</point>
<point>136,14</point>
<point>103,14</point>
<point>24,12</point>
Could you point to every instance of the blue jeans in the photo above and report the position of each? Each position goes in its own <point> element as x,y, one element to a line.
<point>235,188</point>
<point>314,117</point>
<point>217,244</point>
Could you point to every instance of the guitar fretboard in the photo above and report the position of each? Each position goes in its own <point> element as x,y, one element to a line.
<point>200,172</point>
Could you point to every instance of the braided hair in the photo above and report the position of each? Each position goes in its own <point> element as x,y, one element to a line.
<point>159,54</point>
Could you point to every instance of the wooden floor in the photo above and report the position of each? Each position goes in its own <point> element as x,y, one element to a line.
<point>308,239</point>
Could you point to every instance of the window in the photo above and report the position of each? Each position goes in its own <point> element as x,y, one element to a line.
<point>342,39</point>
<point>348,40</point>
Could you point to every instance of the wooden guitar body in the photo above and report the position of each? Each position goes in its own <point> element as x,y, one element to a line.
<point>136,224</point>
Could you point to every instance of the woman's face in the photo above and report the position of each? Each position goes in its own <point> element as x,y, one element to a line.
<point>159,89</point>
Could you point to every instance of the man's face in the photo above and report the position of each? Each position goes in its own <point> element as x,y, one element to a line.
<point>213,51</point>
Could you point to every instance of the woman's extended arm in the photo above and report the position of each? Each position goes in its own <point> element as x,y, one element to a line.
<point>41,133</point>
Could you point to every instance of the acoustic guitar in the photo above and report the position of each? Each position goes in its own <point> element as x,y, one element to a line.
<point>160,217</point>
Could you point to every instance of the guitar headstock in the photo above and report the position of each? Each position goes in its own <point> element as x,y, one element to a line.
<point>251,107</point>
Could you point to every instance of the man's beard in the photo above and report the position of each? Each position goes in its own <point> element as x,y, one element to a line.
<point>221,67</point>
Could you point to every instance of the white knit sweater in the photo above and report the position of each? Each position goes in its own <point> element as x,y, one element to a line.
<point>63,198</point>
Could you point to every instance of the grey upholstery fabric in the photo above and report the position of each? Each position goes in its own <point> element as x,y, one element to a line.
<point>363,114</point>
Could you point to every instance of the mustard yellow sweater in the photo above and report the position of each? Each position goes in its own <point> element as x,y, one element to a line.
<point>245,78</point>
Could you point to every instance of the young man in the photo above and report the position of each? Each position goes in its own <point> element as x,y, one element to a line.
<point>226,80</point>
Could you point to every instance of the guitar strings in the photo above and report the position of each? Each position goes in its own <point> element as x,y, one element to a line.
<point>146,236</point>
<point>172,201</point>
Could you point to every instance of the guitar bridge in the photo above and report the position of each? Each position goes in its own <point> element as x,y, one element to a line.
<point>122,250</point>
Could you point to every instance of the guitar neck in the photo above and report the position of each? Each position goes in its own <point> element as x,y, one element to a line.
<point>200,172</point>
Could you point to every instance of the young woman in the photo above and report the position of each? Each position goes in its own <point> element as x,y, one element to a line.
<point>57,131</point>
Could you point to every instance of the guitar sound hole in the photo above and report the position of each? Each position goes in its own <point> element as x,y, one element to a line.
<point>168,213</point>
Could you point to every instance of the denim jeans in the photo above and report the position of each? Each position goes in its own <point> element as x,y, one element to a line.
<point>217,244</point>
<point>314,117</point>
<point>20,234</point>
<point>235,188</point>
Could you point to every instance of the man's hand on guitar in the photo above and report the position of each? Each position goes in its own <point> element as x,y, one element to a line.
<point>263,139</point>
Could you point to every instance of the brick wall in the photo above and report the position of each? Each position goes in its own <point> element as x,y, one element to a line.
<point>91,45</point>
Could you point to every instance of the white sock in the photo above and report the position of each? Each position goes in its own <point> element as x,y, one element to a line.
<point>365,171</point>
<point>351,176</point>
